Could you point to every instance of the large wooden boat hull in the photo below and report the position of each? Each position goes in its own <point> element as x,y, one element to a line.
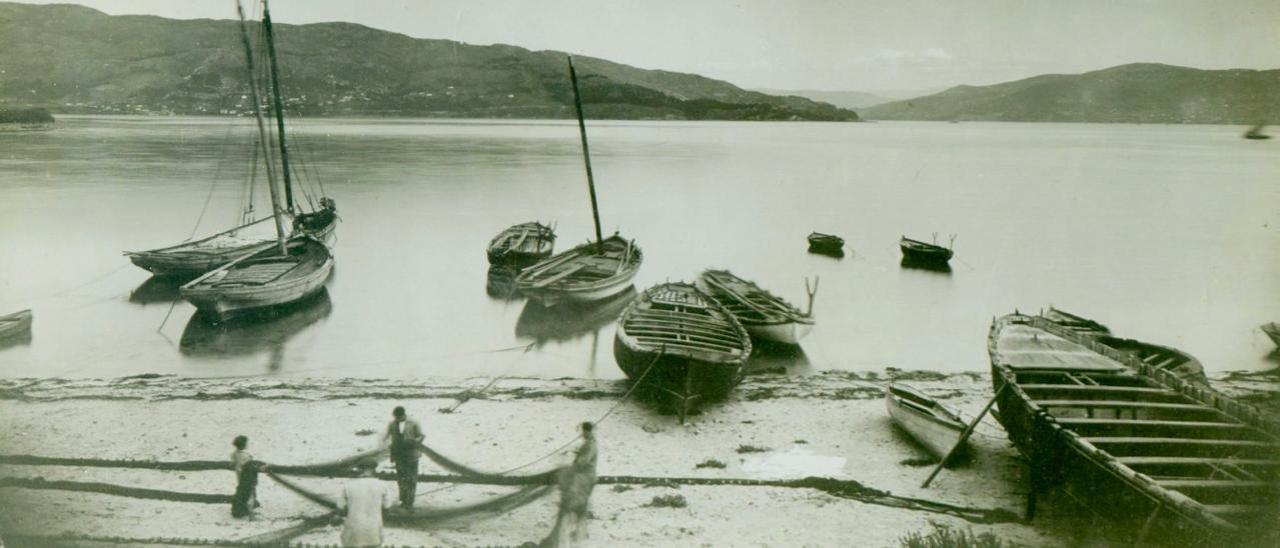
<point>680,345</point>
<point>935,427</point>
<point>218,297</point>
<point>15,325</point>
<point>1157,455</point>
<point>915,251</point>
<point>521,245</point>
<point>582,274</point>
<point>764,315</point>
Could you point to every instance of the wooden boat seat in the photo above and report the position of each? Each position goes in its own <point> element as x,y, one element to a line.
<point>1135,408</point>
<point>1130,446</point>
<point>673,334</point>
<point>1213,484</point>
<point>256,274</point>
<point>1102,393</point>
<point>687,345</point>
<point>704,322</point>
<point>559,275</point>
<point>1237,509</point>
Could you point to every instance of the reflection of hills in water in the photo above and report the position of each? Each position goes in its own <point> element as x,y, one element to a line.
<point>502,283</point>
<point>567,321</point>
<point>157,289</point>
<point>772,357</point>
<point>940,268</point>
<point>265,330</point>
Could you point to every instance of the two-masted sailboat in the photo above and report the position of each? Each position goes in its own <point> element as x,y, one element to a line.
<point>193,258</point>
<point>592,271</point>
<point>285,271</point>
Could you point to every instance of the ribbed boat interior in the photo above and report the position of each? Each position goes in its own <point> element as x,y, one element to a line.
<point>678,316</point>
<point>1178,443</point>
<point>747,301</point>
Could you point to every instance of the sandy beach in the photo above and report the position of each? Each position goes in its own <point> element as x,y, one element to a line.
<point>831,425</point>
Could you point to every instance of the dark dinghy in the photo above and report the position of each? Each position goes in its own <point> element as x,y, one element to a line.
<point>826,244</point>
<point>681,344</point>
<point>1160,457</point>
<point>521,245</point>
<point>918,252</point>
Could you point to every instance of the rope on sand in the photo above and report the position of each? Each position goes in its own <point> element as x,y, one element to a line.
<point>111,489</point>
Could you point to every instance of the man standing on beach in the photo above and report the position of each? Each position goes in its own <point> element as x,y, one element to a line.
<point>363,499</point>
<point>576,481</point>
<point>404,435</point>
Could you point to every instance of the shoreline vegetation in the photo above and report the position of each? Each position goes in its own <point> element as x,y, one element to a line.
<point>25,119</point>
<point>138,472</point>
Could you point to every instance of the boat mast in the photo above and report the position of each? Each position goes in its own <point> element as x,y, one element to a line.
<point>262,129</point>
<point>586,154</point>
<point>279,106</point>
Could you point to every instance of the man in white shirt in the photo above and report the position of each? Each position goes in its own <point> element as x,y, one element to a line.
<point>403,436</point>
<point>363,499</point>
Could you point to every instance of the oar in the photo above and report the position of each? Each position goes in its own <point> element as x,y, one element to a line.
<point>964,436</point>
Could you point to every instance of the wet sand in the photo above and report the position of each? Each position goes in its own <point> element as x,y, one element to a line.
<point>830,425</point>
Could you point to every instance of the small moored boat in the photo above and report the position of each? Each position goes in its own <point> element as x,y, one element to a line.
<point>763,314</point>
<point>1256,133</point>
<point>15,325</point>
<point>522,244</point>
<point>826,244</point>
<point>1160,456</point>
<point>682,345</point>
<point>935,426</point>
<point>262,280</point>
<point>916,251</point>
<point>589,272</point>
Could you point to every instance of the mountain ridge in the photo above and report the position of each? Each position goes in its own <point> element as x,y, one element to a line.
<point>1130,93</point>
<point>76,59</point>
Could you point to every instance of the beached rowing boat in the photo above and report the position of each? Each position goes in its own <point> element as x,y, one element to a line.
<point>15,325</point>
<point>1135,443</point>
<point>590,272</point>
<point>1180,363</point>
<point>678,342</point>
<point>935,426</point>
<point>918,252</point>
<point>521,245</point>
<point>764,315</point>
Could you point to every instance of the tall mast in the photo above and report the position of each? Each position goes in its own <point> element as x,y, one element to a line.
<point>262,129</point>
<point>279,106</point>
<point>586,153</point>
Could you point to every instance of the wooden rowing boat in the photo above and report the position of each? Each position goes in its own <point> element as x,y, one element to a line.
<point>1133,442</point>
<point>826,244</point>
<point>1272,330</point>
<point>590,272</point>
<point>1074,322</point>
<point>261,280</point>
<point>918,252</point>
<point>680,344</point>
<point>521,245</point>
<point>15,325</point>
<point>935,426</point>
<point>1180,363</point>
<point>764,315</point>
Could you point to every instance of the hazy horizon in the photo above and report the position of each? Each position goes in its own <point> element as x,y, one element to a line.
<point>820,45</point>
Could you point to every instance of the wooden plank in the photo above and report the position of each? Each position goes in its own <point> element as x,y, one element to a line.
<point>558,276</point>
<point>1237,509</point>
<point>1116,390</point>
<point>669,344</point>
<point>1111,440</point>
<point>1130,461</point>
<point>1213,484</point>
<point>677,335</point>
<point>1140,422</point>
<point>654,322</point>
<point>1109,404</point>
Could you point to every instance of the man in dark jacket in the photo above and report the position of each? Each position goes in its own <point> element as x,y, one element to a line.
<point>404,435</point>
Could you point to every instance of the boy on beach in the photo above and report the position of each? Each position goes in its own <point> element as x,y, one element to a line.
<point>363,500</point>
<point>576,481</point>
<point>245,500</point>
<point>404,436</point>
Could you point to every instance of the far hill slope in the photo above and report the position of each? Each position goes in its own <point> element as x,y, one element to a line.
<point>1137,93</point>
<point>75,59</point>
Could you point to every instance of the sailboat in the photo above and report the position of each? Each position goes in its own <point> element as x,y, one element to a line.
<point>290,269</point>
<point>190,259</point>
<point>589,272</point>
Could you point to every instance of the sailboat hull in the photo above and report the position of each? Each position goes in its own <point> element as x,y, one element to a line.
<point>220,295</point>
<point>191,262</point>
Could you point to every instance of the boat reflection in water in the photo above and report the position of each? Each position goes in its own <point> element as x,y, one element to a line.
<point>501,284</point>
<point>266,330</point>
<point>569,320</point>
<point>773,358</point>
<point>929,266</point>
<point>156,289</point>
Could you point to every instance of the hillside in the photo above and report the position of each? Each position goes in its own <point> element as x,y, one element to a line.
<point>853,100</point>
<point>1136,93</point>
<point>75,59</point>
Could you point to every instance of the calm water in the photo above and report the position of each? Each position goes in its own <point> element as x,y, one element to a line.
<point>1169,234</point>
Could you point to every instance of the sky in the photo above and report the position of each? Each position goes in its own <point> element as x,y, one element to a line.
<point>878,46</point>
